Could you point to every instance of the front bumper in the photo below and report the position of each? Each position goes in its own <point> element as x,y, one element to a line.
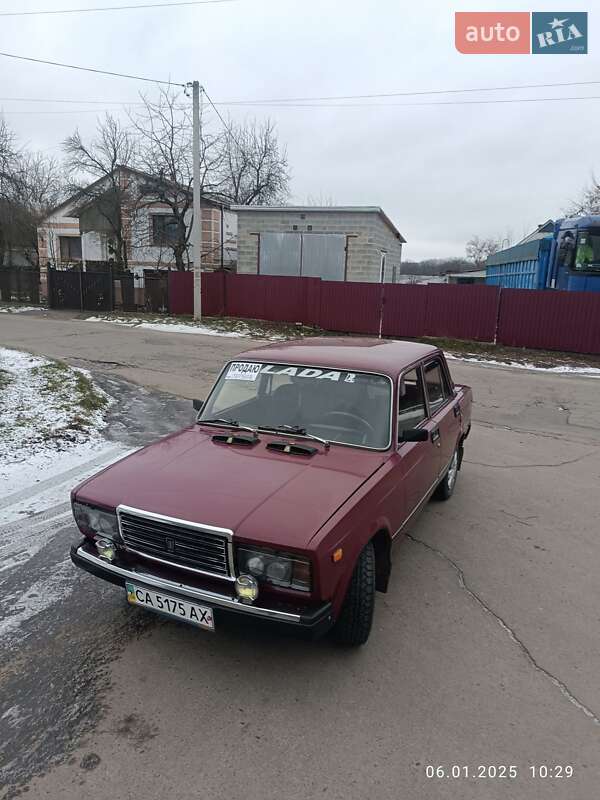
<point>316,620</point>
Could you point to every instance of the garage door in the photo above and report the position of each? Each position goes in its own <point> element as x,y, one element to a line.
<point>314,255</point>
<point>280,253</point>
<point>323,256</point>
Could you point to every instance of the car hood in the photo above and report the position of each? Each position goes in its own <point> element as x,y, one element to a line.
<point>261,495</point>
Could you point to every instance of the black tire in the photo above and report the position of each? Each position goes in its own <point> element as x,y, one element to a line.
<point>445,488</point>
<point>354,623</point>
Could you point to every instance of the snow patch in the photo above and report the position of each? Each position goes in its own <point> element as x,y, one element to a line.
<point>43,427</point>
<point>590,372</point>
<point>241,330</point>
<point>38,597</point>
<point>19,309</point>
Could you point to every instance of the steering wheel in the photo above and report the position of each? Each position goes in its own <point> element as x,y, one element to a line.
<point>367,427</point>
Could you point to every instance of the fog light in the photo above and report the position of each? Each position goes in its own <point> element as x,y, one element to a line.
<point>106,549</point>
<point>246,588</point>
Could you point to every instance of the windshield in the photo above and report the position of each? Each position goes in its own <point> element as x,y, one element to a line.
<point>340,406</point>
<point>587,256</point>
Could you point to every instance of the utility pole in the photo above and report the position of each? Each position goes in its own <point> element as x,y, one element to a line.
<point>197,228</point>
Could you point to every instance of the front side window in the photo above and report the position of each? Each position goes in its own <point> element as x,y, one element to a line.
<point>436,386</point>
<point>587,254</point>
<point>411,405</point>
<point>341,406</point>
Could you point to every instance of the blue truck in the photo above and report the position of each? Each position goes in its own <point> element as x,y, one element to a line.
<point>561,255</point>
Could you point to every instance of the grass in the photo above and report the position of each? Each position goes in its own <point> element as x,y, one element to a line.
<point>252,328</point>
<point>498,352</point>
<point>71,392</point>
<point>5,379</point>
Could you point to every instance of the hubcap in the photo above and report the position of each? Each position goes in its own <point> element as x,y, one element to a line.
<point>453,470</point>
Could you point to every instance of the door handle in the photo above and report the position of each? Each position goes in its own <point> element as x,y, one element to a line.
<point>436,437</point>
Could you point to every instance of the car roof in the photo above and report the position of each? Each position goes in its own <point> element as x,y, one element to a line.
<point>387,356</point>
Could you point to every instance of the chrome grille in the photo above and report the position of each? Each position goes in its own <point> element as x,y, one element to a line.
<point>177,542</point>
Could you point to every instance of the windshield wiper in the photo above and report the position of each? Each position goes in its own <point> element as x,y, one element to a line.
<point>294,430</point>
<point>227,422</point>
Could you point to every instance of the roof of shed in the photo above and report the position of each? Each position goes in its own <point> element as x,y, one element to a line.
<point>326,209</point>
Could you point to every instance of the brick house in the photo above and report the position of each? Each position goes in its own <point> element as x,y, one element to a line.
<point>342,243</point>
<point>77,232</point>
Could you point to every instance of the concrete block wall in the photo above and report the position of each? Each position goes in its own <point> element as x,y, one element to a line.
<point>367,235</point>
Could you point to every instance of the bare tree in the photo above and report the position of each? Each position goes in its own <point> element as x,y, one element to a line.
<point>254,168</point>
<point>30,184</point>
<point>588,201</point>
<point>111,194</point>
<point>321,200</point>
<point>164,132</point>
<point>478,249</point>
<point>242,164</point>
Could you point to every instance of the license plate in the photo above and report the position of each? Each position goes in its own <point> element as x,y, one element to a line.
<point>202,616</point>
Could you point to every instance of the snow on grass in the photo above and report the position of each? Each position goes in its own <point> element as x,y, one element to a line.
<point>19,309</point>
<point>51,416</point>
<point>563,369</point>
<point>233,330</point>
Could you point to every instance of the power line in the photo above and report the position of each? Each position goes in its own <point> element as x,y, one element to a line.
<point>89,69</point>
<point>75,101</point>
<point>306,100</point>
<point>426,103</point>
<point>406,94</point>
<point>43,111</point>
<point>219,115</point>
<point>113,8</point>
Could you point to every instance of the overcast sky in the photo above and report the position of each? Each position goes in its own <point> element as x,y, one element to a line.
<point>441,173</point>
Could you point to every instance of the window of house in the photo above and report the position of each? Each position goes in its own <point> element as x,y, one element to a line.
<point>437,387</point>
<point>411,405</point>
<point>70,248</point>
<point>164,230</point>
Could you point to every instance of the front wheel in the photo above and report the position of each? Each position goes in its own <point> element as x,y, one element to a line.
<point>354,623</point>
<point>446,486</point>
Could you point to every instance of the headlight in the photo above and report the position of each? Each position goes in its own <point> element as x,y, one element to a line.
<point>280,569</point>
<point>94,522</point>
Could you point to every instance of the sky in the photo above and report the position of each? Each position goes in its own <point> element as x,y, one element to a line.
<point>442,173</point>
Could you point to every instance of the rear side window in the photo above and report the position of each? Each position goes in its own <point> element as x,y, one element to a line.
<point>436,386</point>
<point>411,406</point>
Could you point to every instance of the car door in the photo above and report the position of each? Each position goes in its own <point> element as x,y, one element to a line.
<point>419,461</point>
<point>441,403</point>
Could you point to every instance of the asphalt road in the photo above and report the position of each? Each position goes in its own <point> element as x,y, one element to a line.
<point>484,651</point>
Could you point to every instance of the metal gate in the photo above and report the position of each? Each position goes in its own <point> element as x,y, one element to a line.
<point>324,256</point>
<point>280,254</point>
<point>83,291</point>
<point>312,255</point>
<point>156,292</point>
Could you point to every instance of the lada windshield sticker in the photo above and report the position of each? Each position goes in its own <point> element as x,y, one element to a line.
<point>308,372</point>
<point>249,371</point>
<point>243,371</point>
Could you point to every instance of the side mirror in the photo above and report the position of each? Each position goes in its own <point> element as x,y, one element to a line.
<point>198,405</point>
<point>413,435</point>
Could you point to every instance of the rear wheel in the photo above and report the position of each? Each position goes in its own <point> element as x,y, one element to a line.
<point>446,486</point>
<point>356,617</point>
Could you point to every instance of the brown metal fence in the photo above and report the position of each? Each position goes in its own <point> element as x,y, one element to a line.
<point>551,320</point>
